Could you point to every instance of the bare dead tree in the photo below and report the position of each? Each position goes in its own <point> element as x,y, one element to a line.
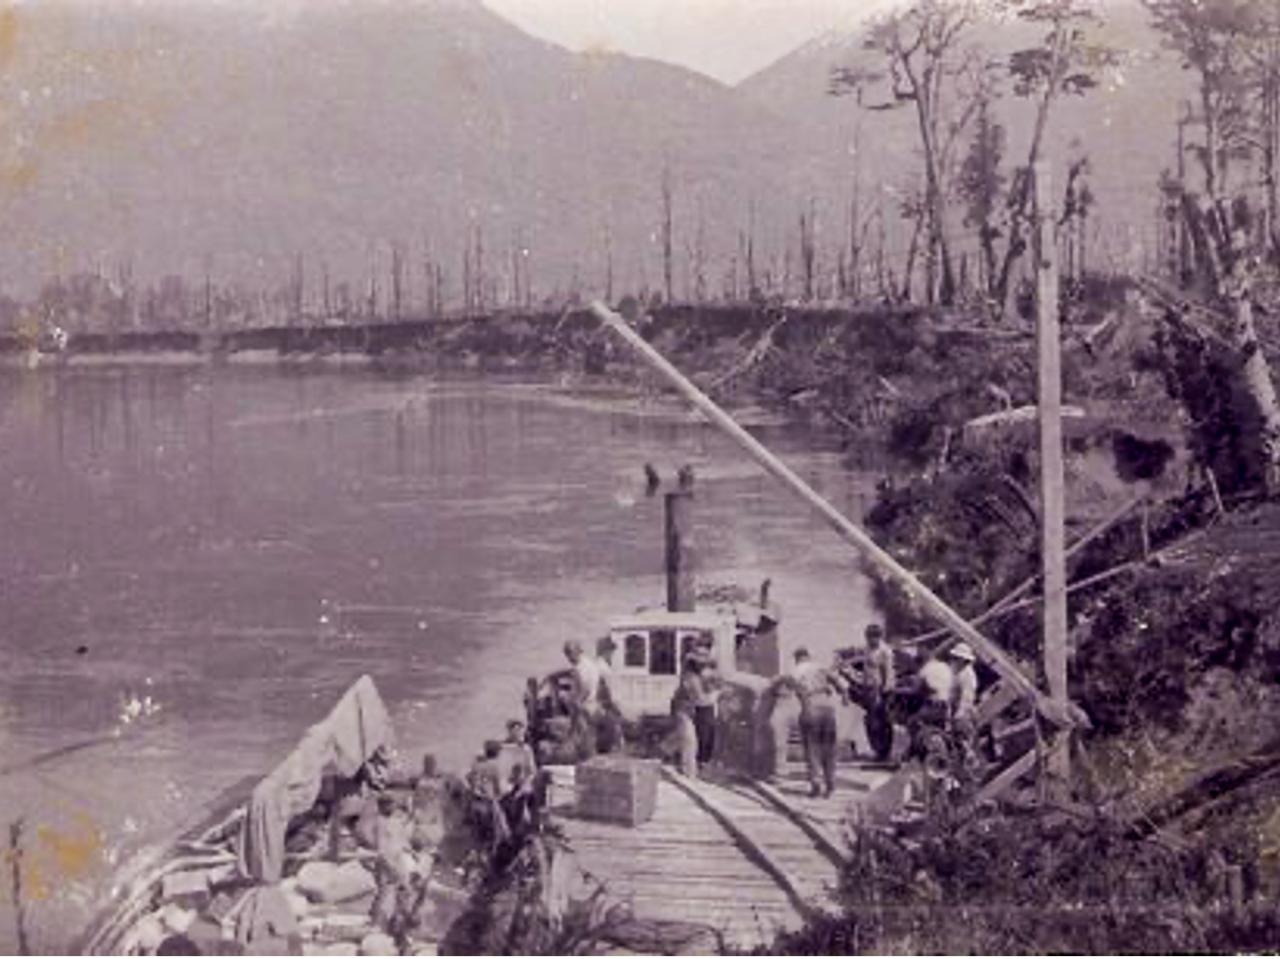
<point>428,279</point>
<point>1211,37</point>
<point>296,290</point>
<point>808,251</point>
<point>467,275</point>
<point>667,252</point>
<point>208,293</point>
<point>920,45</point>
<point>397,281</point>
<point>1063,63</point>
<point>699,258</point>
<point>917,216</point>
<point>608,262</point>
<point>478,264</point>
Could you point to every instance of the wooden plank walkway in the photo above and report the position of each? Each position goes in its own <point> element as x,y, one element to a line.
<point>823,818</point>
<point>747,861</point>
<point>681,866</point>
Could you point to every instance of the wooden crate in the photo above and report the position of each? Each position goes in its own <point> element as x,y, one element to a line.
<point>617,789</point>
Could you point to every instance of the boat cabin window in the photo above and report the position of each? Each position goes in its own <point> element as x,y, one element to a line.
<point>662,652</point>
<point>633,650</point>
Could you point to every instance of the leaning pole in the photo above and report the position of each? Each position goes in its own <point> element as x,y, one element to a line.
<point>995,657</point>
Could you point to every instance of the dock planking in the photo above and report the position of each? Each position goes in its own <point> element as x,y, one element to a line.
<point>682,865</point>
<point>855,783</point>
<point>725,853</point>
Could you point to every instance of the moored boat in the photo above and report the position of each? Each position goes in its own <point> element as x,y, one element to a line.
<point>296,863</point>
<point>641,656</point>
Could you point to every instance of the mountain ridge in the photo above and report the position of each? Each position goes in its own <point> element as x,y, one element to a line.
<point>171,143</point>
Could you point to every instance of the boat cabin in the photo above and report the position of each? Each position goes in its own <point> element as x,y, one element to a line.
<point>648,649</point>
<point>649,646</point>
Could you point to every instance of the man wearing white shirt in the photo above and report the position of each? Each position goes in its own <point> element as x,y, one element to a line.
<point>589,671</point>
<point>964,695</point>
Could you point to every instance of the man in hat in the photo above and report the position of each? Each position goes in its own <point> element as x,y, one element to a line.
<point>964,688</point>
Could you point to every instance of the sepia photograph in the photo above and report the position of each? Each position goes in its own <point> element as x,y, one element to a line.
<point>639,477</point>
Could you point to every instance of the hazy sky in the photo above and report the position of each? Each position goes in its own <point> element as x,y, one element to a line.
<point>726,39</point>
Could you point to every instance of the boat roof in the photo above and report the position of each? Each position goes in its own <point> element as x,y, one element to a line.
<point>662,618</point>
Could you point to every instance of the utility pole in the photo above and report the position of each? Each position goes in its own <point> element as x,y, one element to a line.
<point>854,288</point>
<point>1052,481</point>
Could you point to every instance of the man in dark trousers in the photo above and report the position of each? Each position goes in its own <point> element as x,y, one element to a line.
<point>881,678</point>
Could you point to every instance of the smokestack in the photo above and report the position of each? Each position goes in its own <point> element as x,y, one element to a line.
<point>680,550</point>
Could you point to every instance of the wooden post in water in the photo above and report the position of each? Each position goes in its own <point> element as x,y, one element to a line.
<point>681,596</point>
<point>19,902</point>
<point>1052,481</point>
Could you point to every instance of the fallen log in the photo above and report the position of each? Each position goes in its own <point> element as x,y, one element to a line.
<point>1207,788</point>
<point>1021,589</point>
<point>755,356</point>
<point>1002,421</point>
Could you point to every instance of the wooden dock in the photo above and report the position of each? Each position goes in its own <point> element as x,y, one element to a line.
<point>747,859</point>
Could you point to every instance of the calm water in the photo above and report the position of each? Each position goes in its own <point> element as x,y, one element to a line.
<point>228,549</point>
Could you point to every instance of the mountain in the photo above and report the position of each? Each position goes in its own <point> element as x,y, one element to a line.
<point>164,138</point>
<point>167,137</point>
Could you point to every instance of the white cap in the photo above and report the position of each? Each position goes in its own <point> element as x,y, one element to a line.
<point>963,651</point>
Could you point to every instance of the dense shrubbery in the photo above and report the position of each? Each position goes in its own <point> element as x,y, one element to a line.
<point>1045,883</point>
<point>1176,663</point>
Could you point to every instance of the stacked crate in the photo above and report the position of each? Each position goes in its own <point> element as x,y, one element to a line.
<point>617,789</point>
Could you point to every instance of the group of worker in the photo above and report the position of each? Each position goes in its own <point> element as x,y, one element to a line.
<point>399,820</point>
<point>943,692</point>
<point>507,791</point>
